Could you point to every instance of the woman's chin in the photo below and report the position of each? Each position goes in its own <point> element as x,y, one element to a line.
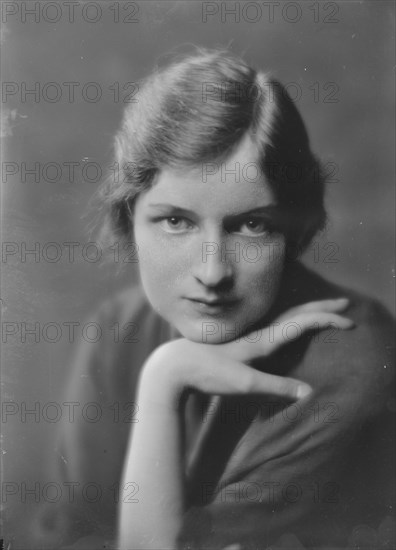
<point>205,333</point>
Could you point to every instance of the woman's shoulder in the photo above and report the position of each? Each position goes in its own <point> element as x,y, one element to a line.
<point>306,285</point>
<point>128,330</point>
<point>374,324</point>
<point>127,317</point>
<point>129,310</point>
<point>360,360</point>
<point>129,303</point>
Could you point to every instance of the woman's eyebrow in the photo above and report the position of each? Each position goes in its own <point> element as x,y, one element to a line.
<point>270,209</point>
<point>167,207</point>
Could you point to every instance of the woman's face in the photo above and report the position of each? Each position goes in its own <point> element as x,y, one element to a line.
<point>210,254</point>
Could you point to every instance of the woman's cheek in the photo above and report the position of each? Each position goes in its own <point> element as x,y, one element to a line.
<point>276,264</point>
<point>160,269</point>
<point>264,277</point>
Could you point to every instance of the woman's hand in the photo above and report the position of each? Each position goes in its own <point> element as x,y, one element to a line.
<point>223,368</point>
<point>155,460</point>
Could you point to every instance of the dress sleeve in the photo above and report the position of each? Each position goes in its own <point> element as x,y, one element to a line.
<point>86,459</point>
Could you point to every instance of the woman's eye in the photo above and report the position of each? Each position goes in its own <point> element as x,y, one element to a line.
<point>175,224</point>
<point>253,226</point>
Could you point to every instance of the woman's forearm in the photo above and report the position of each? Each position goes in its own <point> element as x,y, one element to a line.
<point>154,462</point>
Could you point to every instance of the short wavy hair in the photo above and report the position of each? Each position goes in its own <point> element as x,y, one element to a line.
<point>197,110</point>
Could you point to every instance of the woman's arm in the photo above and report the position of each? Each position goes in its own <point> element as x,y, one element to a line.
<point>155,459</point>
<point>155,464</point>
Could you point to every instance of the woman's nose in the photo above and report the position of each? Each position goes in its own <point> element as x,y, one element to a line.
<point>213,267</point>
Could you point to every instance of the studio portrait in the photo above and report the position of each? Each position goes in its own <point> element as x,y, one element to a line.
<point>198,275</point>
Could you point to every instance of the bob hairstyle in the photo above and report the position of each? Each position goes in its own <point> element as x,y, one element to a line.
<point>196,111</point>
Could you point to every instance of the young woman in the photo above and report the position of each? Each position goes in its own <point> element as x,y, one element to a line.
<point>238,411</point>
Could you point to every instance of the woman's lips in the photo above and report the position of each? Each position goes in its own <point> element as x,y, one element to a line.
<point>212,306</point>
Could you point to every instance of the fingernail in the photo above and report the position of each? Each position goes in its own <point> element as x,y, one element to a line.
<point>303,391</point>
<point>343,302</point>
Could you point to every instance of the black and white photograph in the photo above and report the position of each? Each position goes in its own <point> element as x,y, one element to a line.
<point>197,275</point>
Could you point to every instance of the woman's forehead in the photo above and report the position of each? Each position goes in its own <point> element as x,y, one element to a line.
<point>217,195</point>
<point>237,179</point>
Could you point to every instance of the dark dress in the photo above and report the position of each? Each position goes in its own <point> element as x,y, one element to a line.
<point>317,473</point>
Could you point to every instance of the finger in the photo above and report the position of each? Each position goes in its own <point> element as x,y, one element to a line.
<point>227,376</point>
<point>281,386</point>
<point>242,379</point>
<point>299,325</point>
<point>322,319</point>
<point>264,343</point>
<point>333,305</point>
